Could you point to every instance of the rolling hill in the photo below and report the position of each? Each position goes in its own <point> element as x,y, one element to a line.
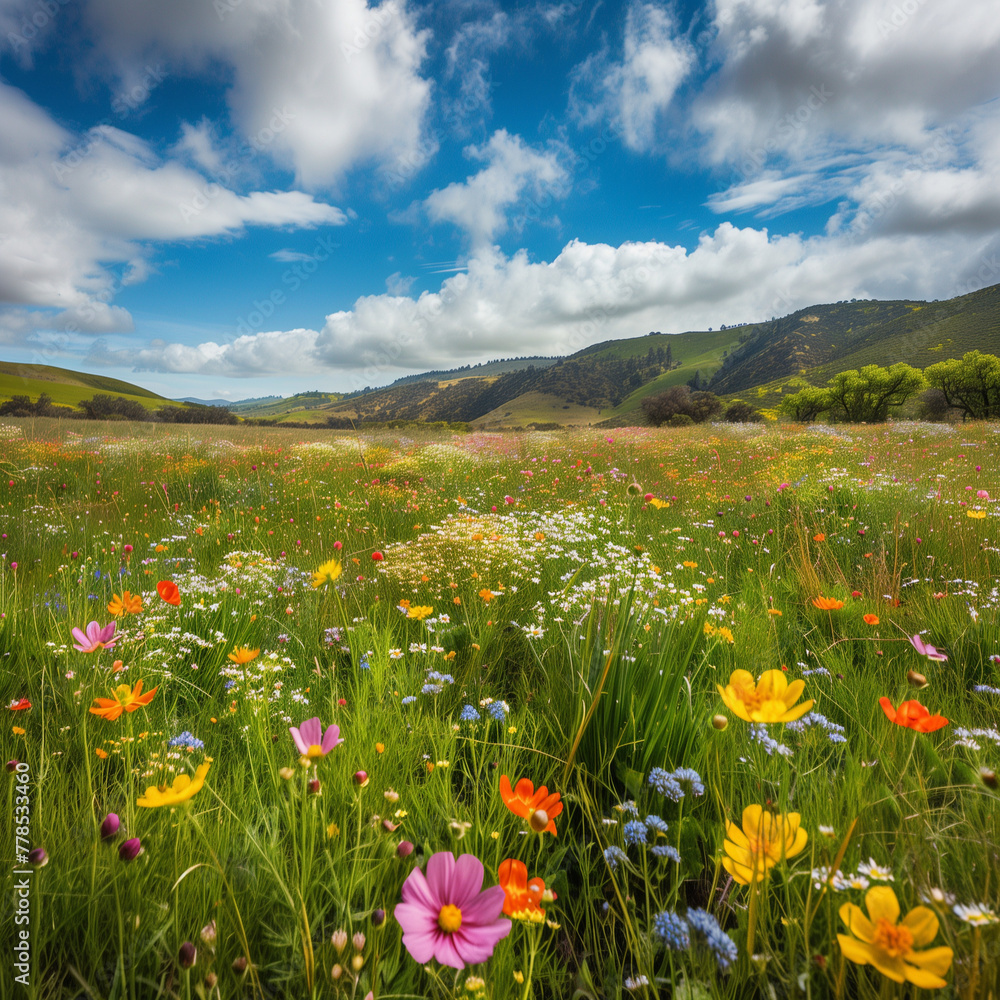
<point>66,387</point>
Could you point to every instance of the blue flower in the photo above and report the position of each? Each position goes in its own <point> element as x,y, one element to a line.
<point>758,732</point>
<point>185,739</point>
<point>722,945</point>
<point>689,780</point>
<point>665,784</point>
<point>672,930</point>
<point>409,699</point>
<point>497,710</point>
<point>634,832</point>
<point>666,851</point>
<point>612,855</point>
<point>657,824</point>
<point>469,714</point>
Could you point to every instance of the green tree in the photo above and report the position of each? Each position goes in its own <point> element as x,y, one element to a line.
<point>806,404</point>
<point>865,395</point>
<point>971,384</point>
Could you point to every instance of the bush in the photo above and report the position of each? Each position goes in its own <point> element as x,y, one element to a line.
<point>105,407</point>
<point>741,413</point>
<point>681,420</point>
<point>679,400</point>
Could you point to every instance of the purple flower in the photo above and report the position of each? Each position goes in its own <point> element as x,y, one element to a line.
<point>95,638</point>
<point>447,914</point>
<point>110,826</point>
<point>130,849</point>
<point>926,649</point>
<point>312,741</point>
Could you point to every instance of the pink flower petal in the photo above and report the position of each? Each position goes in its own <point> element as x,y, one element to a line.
<point>466,881</point>
<point>477,944</point>
<point>417,890</point>
<point>440,872</point>
<point>447,953</point>
<point>331,738</point>
<point>300,743</point>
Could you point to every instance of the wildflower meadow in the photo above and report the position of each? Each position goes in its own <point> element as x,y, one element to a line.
<point>697,713</point>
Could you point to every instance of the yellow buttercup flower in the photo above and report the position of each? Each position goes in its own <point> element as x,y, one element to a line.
<point>766,839</point>
<point>419,612</point>
<point>977,514</point>
<point>327,573</point>
<point>183,788</point>
<point>883,940</point>
<point>771,699</point>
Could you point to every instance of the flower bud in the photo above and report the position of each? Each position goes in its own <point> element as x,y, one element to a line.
<point>538,820</point>
<point>210,980</point>
<point>361,778</point>
<point>989,777</point>
<point>719,722</point>
<point>130,850</point>
<point>339,940</point>
<point>208,934</point>
<point>38,857</point>
<point>358,941</point>
<point>187,955</point>
<point>240,964</point>
<point>12,766</point>
<point>378,918</point>
<point>357,963</point>
<point>915,679</point>
<point>337,971</point>
<point>314,786</point>
<point>390,826</point>
<point>404,849</point>
<point>287,773</point>
<point>110,826</point>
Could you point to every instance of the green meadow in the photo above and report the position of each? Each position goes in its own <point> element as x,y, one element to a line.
<point>698,713</point>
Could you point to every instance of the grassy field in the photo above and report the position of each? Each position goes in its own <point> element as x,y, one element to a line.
<point>755,668</point>
<point>65,387</point>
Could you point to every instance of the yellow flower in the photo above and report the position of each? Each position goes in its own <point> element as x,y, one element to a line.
<point>977,514</point>
<point>101,753</point>
<point>327,573</point>
<point>724,633</point>
<point>17,730</point>
<point>243,655</point>
<point>771,699</point>
<point>183,788</point>
<point>420,612</point>
<point>690,565</point>
<point>827,603</point>
<point>766,839</point>
<point>126,604</point>
<point>883,940</point>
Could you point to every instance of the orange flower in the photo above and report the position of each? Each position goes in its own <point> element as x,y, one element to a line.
<point>870,619</point>
<point>486,595</point>
<point>912,715</point>
<point>126,604</point>
<point>101,753</point>
<point>242,655</point>
<point>521,897</point>
<point>819,538</point>
<point>827,603</point>
<point>169,592</point>
<point>538,808</point>
<point>125,700</point>
<point>19,706</point>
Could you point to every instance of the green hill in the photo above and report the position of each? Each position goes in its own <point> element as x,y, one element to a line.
<point>66,387</point>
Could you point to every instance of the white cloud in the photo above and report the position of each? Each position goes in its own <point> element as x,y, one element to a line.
<point>636,91</point>
<point>321,87</point>
<point>588,293</point>
<point>479,204</point>
<point>76,213</point>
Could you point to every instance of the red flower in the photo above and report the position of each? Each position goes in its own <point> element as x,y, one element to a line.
<point>19,706</point>
<point>913,715</point>
<point>377,556</point>
<point>169,592</point>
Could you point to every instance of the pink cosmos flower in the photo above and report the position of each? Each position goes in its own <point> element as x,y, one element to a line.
<point>447,914</point>
<point>926,649</point>
<point>312,741</point>
<point>95,638</point>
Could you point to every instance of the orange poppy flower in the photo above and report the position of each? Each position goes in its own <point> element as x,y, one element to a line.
<point>169,592</point>
<point>521,897</point>
<point>827,603</point>
<point>913,715</point>
<point>241,655</point>
<point>19,706</point>
<point>819,538</point>
<point>124,699</point>
<point>870,619</point>
<point>538,808</point>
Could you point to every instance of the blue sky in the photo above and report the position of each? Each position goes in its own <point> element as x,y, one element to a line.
<point>231,198</point>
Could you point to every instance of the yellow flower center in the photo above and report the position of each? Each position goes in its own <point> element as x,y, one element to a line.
<point>450,919</point>
<point>123,693</point>
<point>315,750</point>
<point>893,940</point>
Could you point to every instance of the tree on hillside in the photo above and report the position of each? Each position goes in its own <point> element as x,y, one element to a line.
<point>739,412</point>
<point>865,395</point>
<point>679,401</point>
<point>806,404</point>
<point>971,384</point>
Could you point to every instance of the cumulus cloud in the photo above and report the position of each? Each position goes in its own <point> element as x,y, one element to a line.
<point>321,87</point>
<point>588,293</point>
<point>478,205</point>
<point>637,89</point>
<point>77,213</point>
